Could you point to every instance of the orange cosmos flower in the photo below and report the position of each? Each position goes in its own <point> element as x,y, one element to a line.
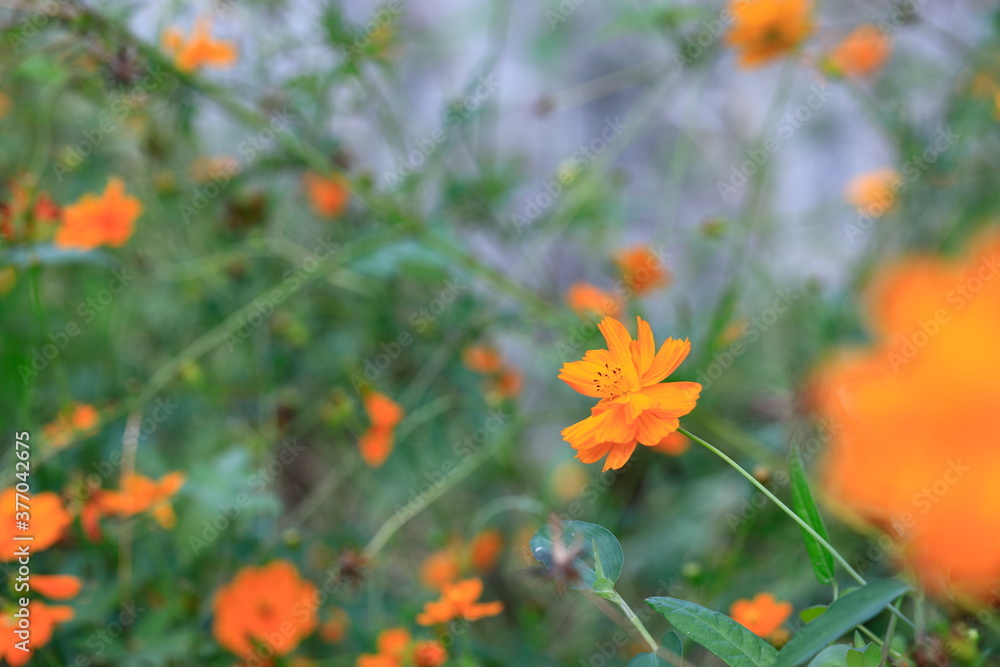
<point>674,444</point>
<point>641,269</point>
<point>482,359</point>
<point>270,605</point>
<point>762,615</point>
<point>925,474</point>
<point>376,444</point>
<point>874,192</point>
<point>107,219</point>
<point>767,29</point>
<point>140,494</point>
<point>862,53</point>
<point>328,196</point>
<point>80,419</point>
<point>43,622</point>
<point>48,521</point>
<point>200,49</point>
<point>396,649</point>
<point>635,405</point>
<point>588,300</point>
<point>459,600</point>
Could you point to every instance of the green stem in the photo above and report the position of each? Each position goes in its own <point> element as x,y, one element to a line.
<point>795,517</point>
<point>633,619</point>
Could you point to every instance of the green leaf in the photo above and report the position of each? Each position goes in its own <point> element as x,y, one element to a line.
<point>590,543</point>
<point>673,643</point>
<point>855,658</point>
<point>727,639</point>
<point>812,613</point>
<point>846,612</point>
<point>647,660</point>
<point>831,656</point>
<point>805,507</point>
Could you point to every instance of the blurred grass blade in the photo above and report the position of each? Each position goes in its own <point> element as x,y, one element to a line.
<point>727,639</point>
<point>805,507</point>
<point>846,612</point>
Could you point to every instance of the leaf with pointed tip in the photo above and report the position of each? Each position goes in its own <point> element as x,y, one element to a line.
<point>805,507</point>
<point>727,639</point>
<point>843,614</point>
<point>595,544</point>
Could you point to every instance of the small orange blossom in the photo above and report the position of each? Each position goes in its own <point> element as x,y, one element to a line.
<point>96,220</point>
<point>459,600</point>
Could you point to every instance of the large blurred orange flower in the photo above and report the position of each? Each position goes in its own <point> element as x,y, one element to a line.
<point>47,523</point>
<point>642,270</point>
<point>200,49</point>
<point>913,446</point>
<point>635,406</point>
<point>96,220</point>
<point>762,615</point>
<point>459,600</point>
<point>376,443</point>
<point>863,52</point>
<point>269,605</point>
<point>140,494</point>
<point>767,29</point>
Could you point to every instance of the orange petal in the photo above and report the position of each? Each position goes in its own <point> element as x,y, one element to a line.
<point>56,586</point>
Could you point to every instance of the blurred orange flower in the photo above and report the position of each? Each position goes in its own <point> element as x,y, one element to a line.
<point>481,359</point>
<point>328,196</point>
<point>441,567</point>
<point>925,476</point>
<point>19,209</point>
<point>48,521</point>
<point>588,300</point>
<point>874,192</point>
<point>376,443</point>
<point>863,52</point>
<point>43,622</point>
<point>767,29</point>
<point>635,406</point>
<point>674,444</point>
<point>486,548</point>
<point>56,586</point>
<point>270,605</point>
<point>335,628</point>
<point>200,49</point>
<point>503,381</point>
<point>446,565</point>
<point>96,220</point>
<point>81,418</point>
<point>459,600</point>
<point>429,653</point>
<point>762,615</point>
<point>641,269</point>
<point>140,494</point>
<point>396,649</point>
